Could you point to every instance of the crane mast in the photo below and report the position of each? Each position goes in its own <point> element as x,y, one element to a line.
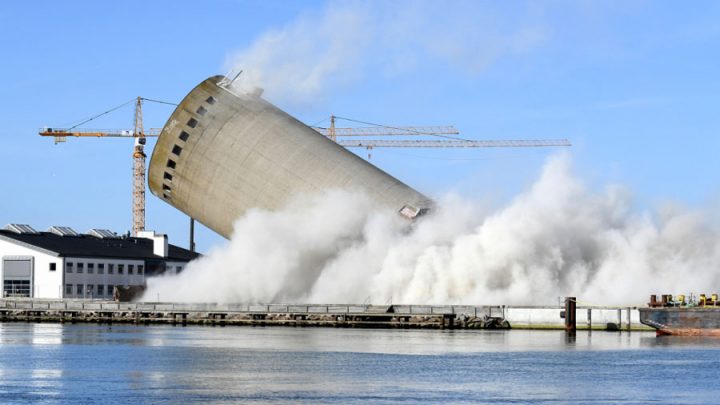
<point>138,200</point>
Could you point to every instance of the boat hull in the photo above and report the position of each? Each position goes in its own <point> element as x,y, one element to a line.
<point>682,321</point>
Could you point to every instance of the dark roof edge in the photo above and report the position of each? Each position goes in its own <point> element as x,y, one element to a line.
<point>167,259</point>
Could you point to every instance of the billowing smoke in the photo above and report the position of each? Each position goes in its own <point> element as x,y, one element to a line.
<point>340,44</point>
<point>557,238</point>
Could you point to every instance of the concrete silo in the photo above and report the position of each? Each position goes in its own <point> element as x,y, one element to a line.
<point>222,153</point>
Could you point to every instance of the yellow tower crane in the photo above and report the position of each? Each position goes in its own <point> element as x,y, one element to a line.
<point>421,135</point>
<point>138,134</point>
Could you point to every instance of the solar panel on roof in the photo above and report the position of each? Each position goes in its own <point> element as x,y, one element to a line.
<point>103,234</point>
<point>20,228</point>
<point>63,231</point>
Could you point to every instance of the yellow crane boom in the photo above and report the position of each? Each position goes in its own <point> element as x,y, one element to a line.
<point>61,133</point>
<point>139,134</point>
<point>423,133</point>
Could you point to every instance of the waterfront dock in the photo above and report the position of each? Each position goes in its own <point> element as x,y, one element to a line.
<point>328,315</point>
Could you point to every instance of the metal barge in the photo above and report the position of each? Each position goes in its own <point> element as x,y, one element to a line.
<point>679,317</point>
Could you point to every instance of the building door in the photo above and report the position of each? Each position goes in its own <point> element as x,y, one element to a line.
<point>17,277</point>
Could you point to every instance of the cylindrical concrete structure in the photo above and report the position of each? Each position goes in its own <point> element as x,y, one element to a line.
<point>222,153</point>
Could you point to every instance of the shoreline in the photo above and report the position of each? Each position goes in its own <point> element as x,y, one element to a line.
<point>466,317</point>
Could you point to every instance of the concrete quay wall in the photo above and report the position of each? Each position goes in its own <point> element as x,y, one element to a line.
<point>455,316</point>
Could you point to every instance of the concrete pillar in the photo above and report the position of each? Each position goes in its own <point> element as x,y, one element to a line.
<point>570,314</point>
<point>629,319</point>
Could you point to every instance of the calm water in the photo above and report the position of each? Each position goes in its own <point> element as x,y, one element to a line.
<point>163,364</point>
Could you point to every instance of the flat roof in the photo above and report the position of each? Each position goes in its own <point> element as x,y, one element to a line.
<point>91,246</point>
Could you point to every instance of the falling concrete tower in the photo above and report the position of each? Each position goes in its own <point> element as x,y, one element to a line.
<point>222,153</point>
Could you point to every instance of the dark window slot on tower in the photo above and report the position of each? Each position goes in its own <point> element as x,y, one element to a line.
<point>171,163</point>
<point>176,150</point>
<point>210,100</point>
<point>192,123</point>
<point>166,188</point>
<point>167,176</point>
<point>201,110</point>
<point>165,196</point>
<point>184,136</point>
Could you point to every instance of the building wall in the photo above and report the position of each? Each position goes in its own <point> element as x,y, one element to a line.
<point>97,272</point>
<point>46,283</point>
<point>221,154</point>
<point>174,267</point>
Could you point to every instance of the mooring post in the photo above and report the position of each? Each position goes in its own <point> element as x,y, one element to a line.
<point>589,319</point>
<point>570,315</point>
<point>629,320</point>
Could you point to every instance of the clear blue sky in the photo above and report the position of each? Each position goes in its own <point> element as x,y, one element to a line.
<point>634,85</point>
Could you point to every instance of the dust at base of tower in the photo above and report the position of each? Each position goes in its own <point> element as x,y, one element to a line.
<point>222,153</point>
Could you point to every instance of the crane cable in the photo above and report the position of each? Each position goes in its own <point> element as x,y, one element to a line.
<point>117,108</point>
<point>101,114</point>
<point>158,101</point>
<point>402,129</point>
<point>315,125</point>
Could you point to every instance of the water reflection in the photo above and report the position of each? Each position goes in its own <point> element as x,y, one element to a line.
<point>338,340</point>
<point>165,364</point>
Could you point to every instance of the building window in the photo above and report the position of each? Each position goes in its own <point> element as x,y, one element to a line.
<point>90,290</point>
<point>68,290</point>
<point>101,268</point>
<point>171,163</point>
<point>16,288</point>
<point>131,268</point>
<point>184,136</point>
<point>192,123</point>
<point>79,290</point>
<point>111,268</point>
<point>176,150</point>
<point>52,266</point>
<point>69,267</point>
<point>201,110</point>
<point>210,100</point>
<point>91,268</point>
<point>121,269</point>
<point>141,269</point>
<point>80,268</point>
<point>111,290</point>
<point>167,176</point>
<point>101,290</point>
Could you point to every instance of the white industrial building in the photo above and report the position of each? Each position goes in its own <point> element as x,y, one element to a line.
<point>62,263</point>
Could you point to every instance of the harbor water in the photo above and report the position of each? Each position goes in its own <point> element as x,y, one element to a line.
<point>90,363</point>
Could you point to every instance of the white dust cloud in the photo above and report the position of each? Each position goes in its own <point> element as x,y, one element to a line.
<point>346,41</point>
<point>557,238</point>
